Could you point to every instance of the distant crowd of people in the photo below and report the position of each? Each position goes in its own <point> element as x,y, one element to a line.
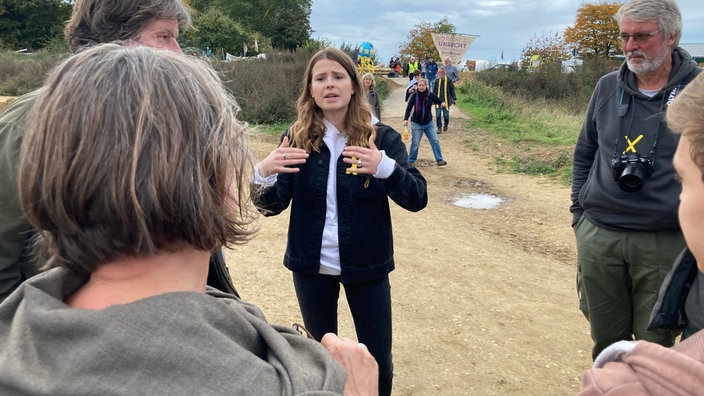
<point>428,68</point>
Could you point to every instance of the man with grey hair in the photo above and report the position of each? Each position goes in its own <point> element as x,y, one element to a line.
<point>153,23</point>
<point>451,70</point>
<point>624,192</point>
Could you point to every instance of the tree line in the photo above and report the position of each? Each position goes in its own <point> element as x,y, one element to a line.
<point>249,27</point>
<point>593,35</point>
<point>221,25</point>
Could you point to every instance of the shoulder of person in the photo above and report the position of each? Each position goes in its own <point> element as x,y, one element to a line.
<point>694,73</point>
<point>385,133</point>
<point>610,81</point>
<point>19,108</point>
<point>383,129</point>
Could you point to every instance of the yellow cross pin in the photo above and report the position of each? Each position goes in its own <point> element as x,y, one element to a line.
<point>632,145</point>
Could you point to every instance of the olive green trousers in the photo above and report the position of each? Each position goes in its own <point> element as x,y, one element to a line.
<point>621,273</point>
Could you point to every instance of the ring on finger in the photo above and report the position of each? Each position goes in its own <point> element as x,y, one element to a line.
<point>284,154</point>
<point>359,161</point>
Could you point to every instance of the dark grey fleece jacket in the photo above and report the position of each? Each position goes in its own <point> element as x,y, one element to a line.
<point>607,130</point>
<point>182,343</point>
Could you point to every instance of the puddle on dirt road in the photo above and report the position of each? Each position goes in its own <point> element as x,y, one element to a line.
<point>477,201</point>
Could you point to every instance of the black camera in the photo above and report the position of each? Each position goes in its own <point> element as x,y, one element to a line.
<point>631,170</point>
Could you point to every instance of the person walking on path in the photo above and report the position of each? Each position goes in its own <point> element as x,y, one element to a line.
<point>451,70</point>
<point>445,90</point>
<point>411,67</point>
<point>412,86</point>
<point>431,71</point>
<point>371,94</point>
<point>337,170</point>
<point>420,106</point>
<point>624,191</point>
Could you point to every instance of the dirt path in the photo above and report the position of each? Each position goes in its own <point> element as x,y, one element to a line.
<point>483,300</point>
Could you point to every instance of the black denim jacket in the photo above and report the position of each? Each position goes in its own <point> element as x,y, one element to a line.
<point>364,220</point>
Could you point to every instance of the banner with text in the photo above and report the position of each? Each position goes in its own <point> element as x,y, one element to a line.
<point>453,45</point>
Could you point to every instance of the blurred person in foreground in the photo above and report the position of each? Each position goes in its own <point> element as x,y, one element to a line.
<point>644,368</point>
<point>624,194</point>
<point>153,23</point>
<point>132,175</point>
<point>337,167</point>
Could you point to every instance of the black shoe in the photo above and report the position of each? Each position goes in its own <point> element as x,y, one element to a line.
<point>439,131</point>
<point>442,163</point>
<point>445,128</point>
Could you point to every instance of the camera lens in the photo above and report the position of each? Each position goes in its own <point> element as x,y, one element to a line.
<point>631,179</point>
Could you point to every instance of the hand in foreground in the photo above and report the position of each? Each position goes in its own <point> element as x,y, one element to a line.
<point>364,160</point>
<point>362,369</point>
<point>281,159</point>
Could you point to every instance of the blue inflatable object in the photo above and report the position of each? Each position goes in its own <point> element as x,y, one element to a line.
<point>366,49</point>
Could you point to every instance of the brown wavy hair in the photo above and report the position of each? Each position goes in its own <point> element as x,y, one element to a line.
<point>308,130</point>
<point>102,21</point>
<point>130,151</point>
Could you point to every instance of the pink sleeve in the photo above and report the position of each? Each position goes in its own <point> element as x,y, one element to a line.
<point>650,369</point>
<point>614,379</point>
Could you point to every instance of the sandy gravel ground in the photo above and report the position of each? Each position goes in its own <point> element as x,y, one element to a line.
<point>483,300</point>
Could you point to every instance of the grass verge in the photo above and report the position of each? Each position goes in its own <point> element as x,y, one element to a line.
<point>538,136</point>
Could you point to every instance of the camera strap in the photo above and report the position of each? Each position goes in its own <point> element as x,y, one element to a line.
<point>624,100</point>
<point>621,108</point>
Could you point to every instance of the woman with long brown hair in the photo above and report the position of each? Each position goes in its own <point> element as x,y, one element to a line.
<point>337,170</point>
<point>419,111</point>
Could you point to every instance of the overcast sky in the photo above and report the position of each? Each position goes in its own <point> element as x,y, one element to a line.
<point>502,25</point>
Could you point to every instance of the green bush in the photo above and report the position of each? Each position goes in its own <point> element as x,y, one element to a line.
<point>537,134</point>
<point>265,89</point>
<point>571,90</point>
<point>548,83</point>
<point>23,73</point>
<point>382,87</point>
<point>482,93</point>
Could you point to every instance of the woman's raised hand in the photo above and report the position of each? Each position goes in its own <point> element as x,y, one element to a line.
<point>282,159</point>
